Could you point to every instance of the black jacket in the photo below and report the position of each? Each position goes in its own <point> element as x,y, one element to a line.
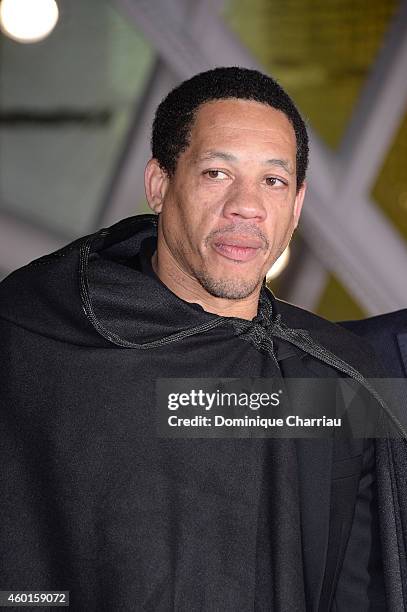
<point>387,333</point>
<point>93,502</point>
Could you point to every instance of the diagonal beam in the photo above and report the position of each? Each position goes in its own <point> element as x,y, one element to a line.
<point>378,113</point>
<point>360,249</point>
<point>127,189</point>
<point>185,52</point>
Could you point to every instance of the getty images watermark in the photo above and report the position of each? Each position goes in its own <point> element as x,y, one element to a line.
<point>251,408</point>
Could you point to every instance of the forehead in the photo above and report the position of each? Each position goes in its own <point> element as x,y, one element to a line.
<point>245,123</point>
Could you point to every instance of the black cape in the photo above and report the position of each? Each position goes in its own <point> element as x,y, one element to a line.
<point>95,503</point>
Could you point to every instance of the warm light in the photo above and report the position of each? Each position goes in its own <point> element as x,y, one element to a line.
<point>28,21</point>
<point>279,265</point>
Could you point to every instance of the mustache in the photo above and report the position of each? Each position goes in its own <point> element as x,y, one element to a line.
<point>240,228</point>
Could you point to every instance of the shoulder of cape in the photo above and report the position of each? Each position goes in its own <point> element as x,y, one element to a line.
<point>62,265</point>
<point>44,296</point>
<point>340,341</point>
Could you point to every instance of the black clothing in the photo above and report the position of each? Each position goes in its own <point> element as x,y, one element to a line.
<point>95,503</point>
<point>387,333</point>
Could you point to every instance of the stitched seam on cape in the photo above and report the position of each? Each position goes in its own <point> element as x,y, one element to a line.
<point>287,333</point>
<point>115,338</point>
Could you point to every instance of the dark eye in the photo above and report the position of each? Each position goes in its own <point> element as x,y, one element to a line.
<point>216,174</point>
<point>272,180</point>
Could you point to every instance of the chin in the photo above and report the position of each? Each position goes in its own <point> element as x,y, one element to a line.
<point>231,288</point>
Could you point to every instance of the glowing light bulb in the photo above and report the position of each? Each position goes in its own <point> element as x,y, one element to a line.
<point>279,265</point>
<point>28,21</point>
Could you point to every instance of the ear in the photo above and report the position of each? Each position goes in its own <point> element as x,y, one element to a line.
<point>155,184</point>
<point>299,200</point>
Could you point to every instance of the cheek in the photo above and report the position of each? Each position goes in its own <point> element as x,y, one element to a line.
<point>280,216</point>
<point>185,219</point>
<point>280,232</point>
<point>176,210</point>
<point>285,233</point>
<point>197,214</point>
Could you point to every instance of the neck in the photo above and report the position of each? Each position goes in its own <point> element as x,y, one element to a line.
<point>190,290</point>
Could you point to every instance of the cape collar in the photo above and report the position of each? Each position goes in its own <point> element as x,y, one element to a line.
<point>128,304</point>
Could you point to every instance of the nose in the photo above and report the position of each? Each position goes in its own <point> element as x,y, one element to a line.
<point>245,201</point>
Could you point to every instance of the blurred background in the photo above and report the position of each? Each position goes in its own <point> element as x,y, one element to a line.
<point>80,81</point>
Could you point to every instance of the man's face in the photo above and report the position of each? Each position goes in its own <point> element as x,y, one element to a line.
<point>231,207</point>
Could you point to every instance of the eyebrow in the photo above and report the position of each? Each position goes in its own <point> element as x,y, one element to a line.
<point>209,155</point>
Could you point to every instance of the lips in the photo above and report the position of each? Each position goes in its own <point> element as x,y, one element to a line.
<point>238,248</point>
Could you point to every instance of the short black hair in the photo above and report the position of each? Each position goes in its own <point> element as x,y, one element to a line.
<point>175,115</point>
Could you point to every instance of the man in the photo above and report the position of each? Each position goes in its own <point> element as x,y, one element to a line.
<point>94,501</point>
